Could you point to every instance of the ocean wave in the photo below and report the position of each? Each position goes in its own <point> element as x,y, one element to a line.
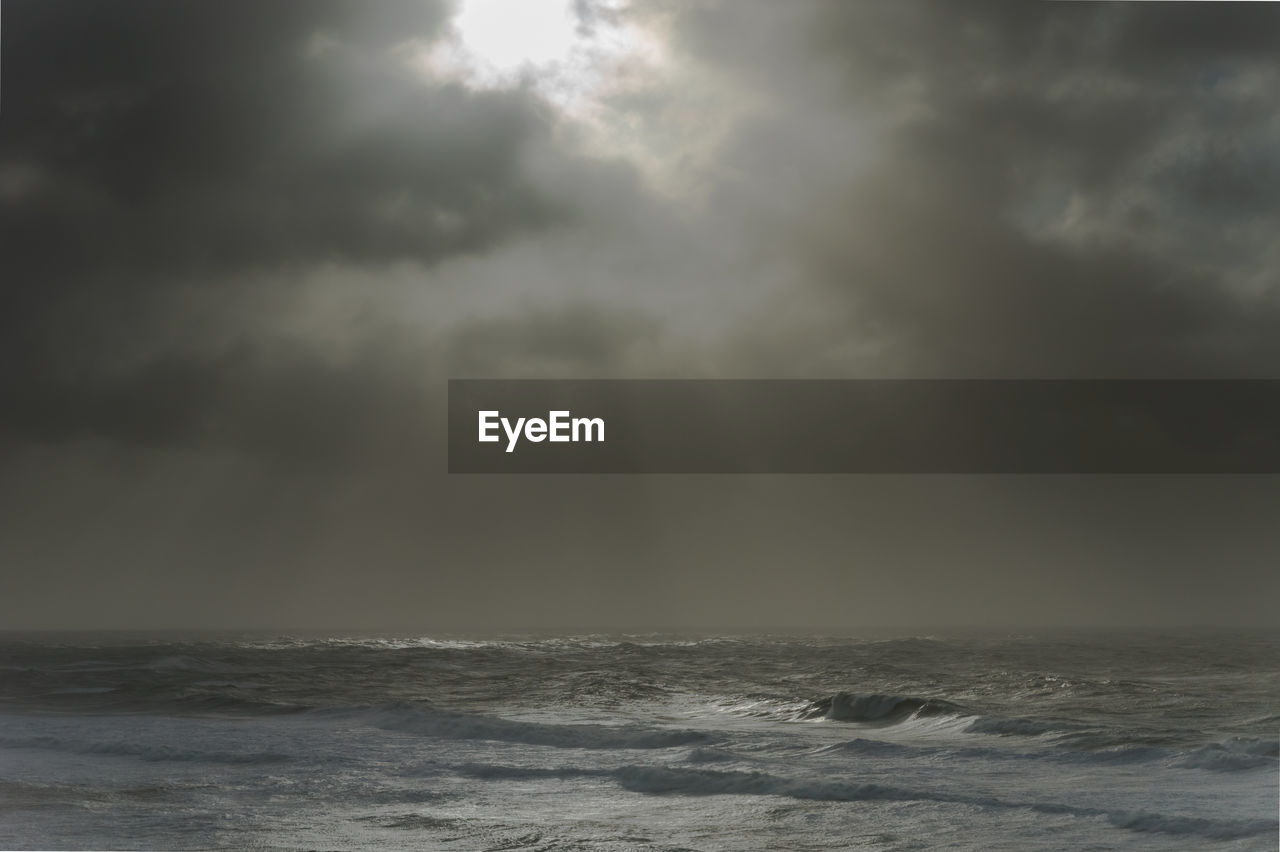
<point>880,748</point>
<point>1210,829</point>
<point>704,754</point>
<point>499,772</point>
<point>445,724</point>
<point>205,704</point>
<point>884,709</point>
<point>1237,753</point>
<point>153,693</point>
<point>1011,727</point>
<point>758,706</point>
<point>877,748</point>
<point>144,751</point>
<point>668,781</point>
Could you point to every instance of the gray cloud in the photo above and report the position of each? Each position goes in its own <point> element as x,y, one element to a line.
<point>244,246</point>
<point>150,148</point>
<point>1060,189</point>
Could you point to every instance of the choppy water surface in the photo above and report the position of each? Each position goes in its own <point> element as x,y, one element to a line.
<point>1130,741</point>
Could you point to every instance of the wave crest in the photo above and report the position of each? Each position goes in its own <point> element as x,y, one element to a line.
<point>877,707</point>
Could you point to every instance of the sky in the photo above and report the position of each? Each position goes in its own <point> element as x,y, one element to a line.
<point>244,245</point>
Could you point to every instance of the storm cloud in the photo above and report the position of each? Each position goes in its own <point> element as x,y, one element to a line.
<point>242,246</point>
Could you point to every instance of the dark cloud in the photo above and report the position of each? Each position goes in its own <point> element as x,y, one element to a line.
<point>1039,189</point>
<point>242,246</point>
<point>148,147</point>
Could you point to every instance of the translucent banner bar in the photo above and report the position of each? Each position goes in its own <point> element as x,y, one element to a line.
<point>865,426</point>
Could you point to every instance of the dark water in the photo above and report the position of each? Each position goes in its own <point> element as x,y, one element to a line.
<point>1122,741</point>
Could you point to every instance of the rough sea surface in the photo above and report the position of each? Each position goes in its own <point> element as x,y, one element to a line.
<point>1014,742</point>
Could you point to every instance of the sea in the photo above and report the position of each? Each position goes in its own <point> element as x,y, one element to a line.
<point>1028,741</point>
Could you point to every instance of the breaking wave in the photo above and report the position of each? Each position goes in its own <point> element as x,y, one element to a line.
<point>884,709</point>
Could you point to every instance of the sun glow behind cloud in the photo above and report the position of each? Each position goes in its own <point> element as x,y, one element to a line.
<point>568,56</point>
<point>509,37</point>
<point>603,66</point>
